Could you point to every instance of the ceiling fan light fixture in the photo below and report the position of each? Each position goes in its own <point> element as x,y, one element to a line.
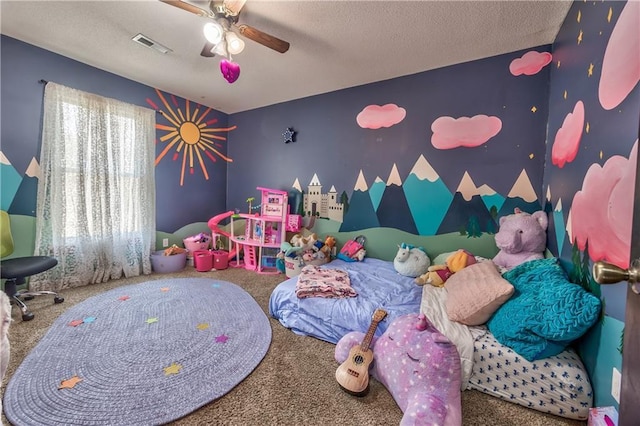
<point>213,32</point>
<point>221,49</point>
<point>235,44</point>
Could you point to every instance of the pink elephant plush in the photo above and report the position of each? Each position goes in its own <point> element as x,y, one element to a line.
<point>419,366</point>
<point>522,237</point>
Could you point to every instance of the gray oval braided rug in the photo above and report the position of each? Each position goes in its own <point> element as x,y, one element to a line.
<point>143,354</point>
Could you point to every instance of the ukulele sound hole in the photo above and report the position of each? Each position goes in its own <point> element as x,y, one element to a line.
<point>358,359</point>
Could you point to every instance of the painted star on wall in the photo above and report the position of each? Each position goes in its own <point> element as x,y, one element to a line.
<point>222,338</point>
<point>152,320</point>
<point>289,135</point>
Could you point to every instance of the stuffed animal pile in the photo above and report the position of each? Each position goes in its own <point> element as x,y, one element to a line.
<point>436,275</point>
<point>522,237</point>
<point>419,366</point>
<point>305,250</point>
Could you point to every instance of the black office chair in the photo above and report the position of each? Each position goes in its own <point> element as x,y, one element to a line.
<point>17,269</point>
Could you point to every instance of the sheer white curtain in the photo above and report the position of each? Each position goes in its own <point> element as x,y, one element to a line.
<point>96,195</point>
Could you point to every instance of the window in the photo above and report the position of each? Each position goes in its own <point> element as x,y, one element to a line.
<point>96,196</point>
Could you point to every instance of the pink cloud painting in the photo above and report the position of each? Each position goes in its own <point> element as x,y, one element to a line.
<point>376,116</point>
<point>621,62</point>
<point>449,132</point>
<point>602,211</point>
<point>530,63</point>
<point>567,141</point>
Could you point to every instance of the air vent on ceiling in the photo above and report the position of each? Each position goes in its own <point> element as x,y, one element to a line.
<point>147,42</point>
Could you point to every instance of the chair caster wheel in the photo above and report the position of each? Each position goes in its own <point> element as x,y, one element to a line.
<point>58,299</point>
<point>28,297</point>
<point>28,316</point>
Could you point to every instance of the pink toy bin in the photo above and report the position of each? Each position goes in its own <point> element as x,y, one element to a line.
<point>220,259</point>
<point>203,260</point>
<point>194,244</point>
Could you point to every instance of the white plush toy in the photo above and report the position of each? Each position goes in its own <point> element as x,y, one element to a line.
<point>411,261</point>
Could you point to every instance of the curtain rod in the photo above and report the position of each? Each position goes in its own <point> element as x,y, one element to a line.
<point>43,81</point>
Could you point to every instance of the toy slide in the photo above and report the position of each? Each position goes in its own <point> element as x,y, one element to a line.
<point>213,225</point>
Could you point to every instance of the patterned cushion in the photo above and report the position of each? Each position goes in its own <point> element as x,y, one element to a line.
<point>475,292</point>
<point>546,311</point>
<point>557,385</point>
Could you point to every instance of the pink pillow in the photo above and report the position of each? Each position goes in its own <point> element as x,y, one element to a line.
<point>476,292</point>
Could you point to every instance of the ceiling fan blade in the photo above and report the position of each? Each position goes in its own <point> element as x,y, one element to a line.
<point>234,6</point>
<point>188,7</point>
<point>263,38</point>
<point>207,50</point>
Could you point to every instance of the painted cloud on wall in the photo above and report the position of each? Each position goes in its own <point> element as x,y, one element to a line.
<point>567,140</point>
<point>376,116</point>
<point>621,62</point>
<point>603,210</point>
<point>530,63</point>
<point>449,132</point>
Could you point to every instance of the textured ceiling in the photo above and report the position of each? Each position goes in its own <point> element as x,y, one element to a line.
<point>334,44</point>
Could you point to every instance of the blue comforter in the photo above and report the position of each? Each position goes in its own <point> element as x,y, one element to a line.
<point>378,286</point>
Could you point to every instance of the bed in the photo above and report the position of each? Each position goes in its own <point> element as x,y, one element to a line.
<point>557,384</point>
<point>377,285</point>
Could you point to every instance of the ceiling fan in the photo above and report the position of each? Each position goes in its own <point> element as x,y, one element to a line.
<point>226,13</point>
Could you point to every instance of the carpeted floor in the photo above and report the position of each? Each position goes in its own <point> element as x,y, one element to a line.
<point>293,385</point>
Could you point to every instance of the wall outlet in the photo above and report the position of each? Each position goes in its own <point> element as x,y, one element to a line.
<point>165,242</point>
<point>616,382</point>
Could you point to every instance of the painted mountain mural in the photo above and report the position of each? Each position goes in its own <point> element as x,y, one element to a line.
<point>494,200</point>
<point>469,213</point>
<point>376,191</point>
<point>10,182</point>
<point>394,211</point>
<point>522,196</point>
<point>24,202</point>
<point>423,205</point>
<point>559,225</point>
<point>427,196</point>
<point>361,214</point>
<point>469,217</point>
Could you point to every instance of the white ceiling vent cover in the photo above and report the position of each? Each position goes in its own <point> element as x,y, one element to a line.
<point>147,42</point>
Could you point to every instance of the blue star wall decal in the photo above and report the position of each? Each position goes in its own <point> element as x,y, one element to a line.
<point>289,135</point>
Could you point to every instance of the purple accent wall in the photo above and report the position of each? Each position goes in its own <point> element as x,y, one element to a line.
<point>24,65</point>
<point>331,144</point>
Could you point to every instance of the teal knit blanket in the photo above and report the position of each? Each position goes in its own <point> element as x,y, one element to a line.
<point>546,312</point>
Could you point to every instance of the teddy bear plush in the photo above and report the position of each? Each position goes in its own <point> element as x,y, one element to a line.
<point>419,366</point>
<point>521,237</point>
<point>327,247</point>
<point>436,275</point>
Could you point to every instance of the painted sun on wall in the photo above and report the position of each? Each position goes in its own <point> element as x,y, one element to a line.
<point>190,136</point>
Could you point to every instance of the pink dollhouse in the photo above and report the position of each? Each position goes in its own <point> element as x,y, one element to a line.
<point>264,232</point>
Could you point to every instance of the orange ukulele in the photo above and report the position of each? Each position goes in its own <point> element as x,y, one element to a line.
<point>353,373</point>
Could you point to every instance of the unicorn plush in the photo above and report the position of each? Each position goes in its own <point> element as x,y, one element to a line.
<point>411,261</point>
